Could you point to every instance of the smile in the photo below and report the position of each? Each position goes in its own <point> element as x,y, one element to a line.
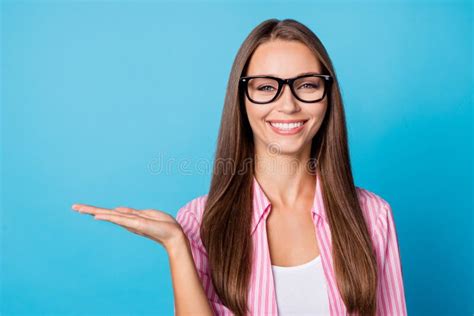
<point>286,127</point>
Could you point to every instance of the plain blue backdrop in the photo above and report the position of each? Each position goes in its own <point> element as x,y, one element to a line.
<point>98,96</point>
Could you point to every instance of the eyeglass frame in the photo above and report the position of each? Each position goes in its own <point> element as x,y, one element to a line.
<point>243,82</point>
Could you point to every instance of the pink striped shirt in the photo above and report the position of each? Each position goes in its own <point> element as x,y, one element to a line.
<point>261,296</point>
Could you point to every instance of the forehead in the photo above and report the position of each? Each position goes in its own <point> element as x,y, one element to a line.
<point>282,59</point>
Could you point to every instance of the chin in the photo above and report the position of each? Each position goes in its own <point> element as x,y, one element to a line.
<point>285,147</point>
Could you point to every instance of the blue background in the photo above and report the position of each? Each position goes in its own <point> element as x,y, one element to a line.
<point>98,96</point>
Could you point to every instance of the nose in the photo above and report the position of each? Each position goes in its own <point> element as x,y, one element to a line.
<point>287,103</point>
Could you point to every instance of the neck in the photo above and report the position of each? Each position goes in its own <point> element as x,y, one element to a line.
<point>285,179</point>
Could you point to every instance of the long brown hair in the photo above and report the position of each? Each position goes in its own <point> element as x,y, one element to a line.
<point>225,227</point>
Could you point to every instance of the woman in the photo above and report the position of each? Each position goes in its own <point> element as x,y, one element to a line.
<point>283,229</point>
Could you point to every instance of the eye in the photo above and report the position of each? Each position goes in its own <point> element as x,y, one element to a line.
<point>309,85</point>
<point>265,88</point>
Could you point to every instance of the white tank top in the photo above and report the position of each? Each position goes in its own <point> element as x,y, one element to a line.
<point>301,290</point>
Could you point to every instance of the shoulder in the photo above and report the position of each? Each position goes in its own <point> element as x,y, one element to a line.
<point>376,209</point>
<point>189,216</point>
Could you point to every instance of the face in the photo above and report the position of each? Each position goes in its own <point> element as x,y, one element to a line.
<point>269,122</point>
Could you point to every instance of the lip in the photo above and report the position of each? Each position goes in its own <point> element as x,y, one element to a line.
<point>292,131</point>
<point>287,121</point>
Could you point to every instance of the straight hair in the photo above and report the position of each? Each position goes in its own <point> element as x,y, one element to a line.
<point>226,223</point>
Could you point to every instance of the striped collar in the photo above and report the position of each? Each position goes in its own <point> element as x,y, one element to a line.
<point>261,203</point>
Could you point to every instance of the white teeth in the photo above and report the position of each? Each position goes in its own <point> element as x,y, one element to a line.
<point>286,126</point>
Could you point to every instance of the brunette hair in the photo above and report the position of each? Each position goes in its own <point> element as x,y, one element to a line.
<point>226,223</point>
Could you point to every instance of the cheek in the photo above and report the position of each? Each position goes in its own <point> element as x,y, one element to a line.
<point>255,115</point>
<point>320,111</point>
<point>318,115</point>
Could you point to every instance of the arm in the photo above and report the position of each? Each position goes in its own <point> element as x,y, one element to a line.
<point>190,298</point>
<point>164,229</point>
<point>391,293</point>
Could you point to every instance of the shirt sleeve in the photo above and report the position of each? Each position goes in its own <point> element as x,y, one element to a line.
<point>191,227</point>
<point>390,292</point>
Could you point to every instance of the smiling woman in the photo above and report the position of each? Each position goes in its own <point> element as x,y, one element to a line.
<point>288,233</point>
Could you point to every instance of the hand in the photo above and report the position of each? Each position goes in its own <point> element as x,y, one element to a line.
<point>156,225</point>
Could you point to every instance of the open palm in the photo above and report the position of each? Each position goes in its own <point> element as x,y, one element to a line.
<point>156,225</point>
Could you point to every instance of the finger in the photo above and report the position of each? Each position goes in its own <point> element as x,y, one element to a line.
<point>137,225</point>
<point>126,210</point>
<point>135,222</point>
<point>148,213</point>
<point>92,210</point>
<point>84,208</point>
<point>154,214</point>
<point>129,210</point>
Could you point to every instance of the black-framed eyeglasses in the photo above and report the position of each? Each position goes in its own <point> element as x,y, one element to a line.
<point>308,88</point>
